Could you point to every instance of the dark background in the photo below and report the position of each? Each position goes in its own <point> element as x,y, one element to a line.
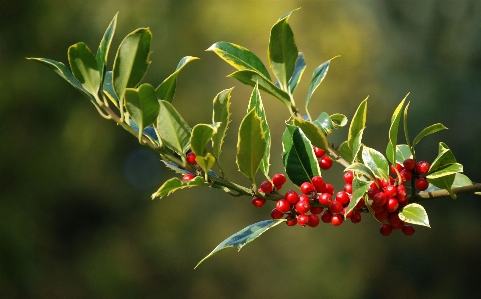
<point>76,218</point>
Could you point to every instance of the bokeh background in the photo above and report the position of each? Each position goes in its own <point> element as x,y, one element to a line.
<point>76,218</point>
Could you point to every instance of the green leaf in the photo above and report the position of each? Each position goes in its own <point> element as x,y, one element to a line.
<point>298,71</point>
<point>173,129</point>
<point>175,167</point>
<point>205,162</point>
<point>406,133</point>
<point>142,105</point>
<point>338,120</point>
<point>201,134</point>
<point>243,237</point>
<point>403,152</point>
<point>282,51</point>
<point>166,90</point>
<point>358,167</point>
<point>359,189</point>
<point>251,145</point>
<point>132,60</point>
<point>358,123</point>
<point>357,145</point>
<point>317,77</point>
<point>63,71</point>
<point>324,122</point>
<point>445,157</point>
<point>298,156</point>
<point>255,102</point>
<point>345,152</point>
<point>313,133</point>
<point>376,162</point>
<point>175,184</point>
<point>221,114</point>
<point>414,213</point>
<point>445,182</point>
<point>393,131</point>
<point>109,89</point>
<point>103,50</point>
<point>239,57</point>
<point>448,170</point>
<point>428,131</point>
<point>84,67</point>
<point>460,180</point>
<point>252,78</point>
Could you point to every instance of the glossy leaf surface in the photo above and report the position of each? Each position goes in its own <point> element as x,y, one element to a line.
<point>166,90</point>
<point>376,162</point>
<point>109,89</point>
<point>251,145</point>
<point>243,237</point>
<point>255,102</point>
<point>393,131</point>
<point>239,57</point>
<point>324,122</point>
<point>358,123</point>
<point>282,51</point>
<point>173,129</point>
<point>84,67</point>
<point>428,131</point>
<point>103,50</point>
<point>313,133</point>
<point>414,213</point>
<point>142,105</point>
<point>175,184</point>
<point>359,167</point>
<point>448,170</point>
<point>403,152</point>
<point>132,60</point>
<point>357,145</point>
<point>359,189</point>
<point>298,156</point>
<point>298,71</point>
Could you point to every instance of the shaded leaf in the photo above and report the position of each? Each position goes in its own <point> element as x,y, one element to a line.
<point>460,180</point>
<point>132,60</point>
<point>298,71</point>
<point>142,105</point>
<point>166,90</point>
<point>428,131</point>
<point>103,50</point>
<point>173,129</point>
<point>175,184</point>
<point>376,162</point>
<point>175,167</point>
<point>323,122</point>
<point>414,213</point>
<point>252,78</point>
<point>84,67</point>
<point>255,102</point>
<point>221,114</point>
<point>109,89</point>
<point>251,145</point>
<point>239,57</point>
<point>282,51</point>
<point>393,131</point>
<point>358,123</point>
<point>313,133</point>
<point>63,71</point>
<point>298,156</point>
<point>243,237</point>
<point>148,132</point>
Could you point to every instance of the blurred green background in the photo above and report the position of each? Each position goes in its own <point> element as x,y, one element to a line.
<point>76,219</point>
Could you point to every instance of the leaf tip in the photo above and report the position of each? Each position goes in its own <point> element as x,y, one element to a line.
<point>212,48</point>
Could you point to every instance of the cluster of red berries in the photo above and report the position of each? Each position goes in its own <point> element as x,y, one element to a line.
<point>389,196</point>
<point>325,162</point>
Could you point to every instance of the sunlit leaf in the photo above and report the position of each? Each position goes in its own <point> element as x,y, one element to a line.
<point>221,114</point>
<point>201,134</point>
<point>345,152</point>
<point>103,50</point>
<point>376,162</point>
<point>359,167</point>
<point>298,71</point>
<point>166,89</point>
<point>338,120</point>
<point>403,152</point>
<point>317,77</point>
<point>324,122</point>
<point>313,133</point>
<point>428,131</point>
<point>448,170</point>
<point>359,189</point>
<point>84,67</point>
<point>445,157</point>
<point>358,123</point>
<point>175,184</point>
<point>142,105</point>
<point>173,129</point>
<point>414,213</point>
<point>205,162</point>
<point>243,237</point>
<point>393,131</point>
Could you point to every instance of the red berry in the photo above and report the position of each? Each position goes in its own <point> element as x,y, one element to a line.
<point>399,226</point>
<point>398,166</point>
<point>378,209</point>
<point>326,216</point>
<point>402,189</point>
<point>304,197</point>
<point>337,219</point>
<point>372,191</point>
<point>406,175</point>
<point>188,177</point>
<point>190,157</point>
<point>348,177</point>
<point>390,190</point>
<point>303,206</point>
<point>394,219</point>
<point>291,220</point>
<point>319,152</point>
<point>422,184</point>
<point>325,199</point>
<point>422,167</point>
<point>329,189</point>
<point>348,188</point>
<point>356,218</point>
<point>382,216</point>
<point>342,197</point>
<point>316,210</point>
<point>258,202</point>
<point>283,206</point>
<point>303,220</point>
<point>278,180</point>
<point>348,215</point>
<point>292,197</point>
<point>313,220</point>
<point>307,188</point>
<point>266,187</point>
<point>360,204</point>
<point>318,183</point>
<point>408,230</point>
<point>379,199</point>
<point>386,229</point>
<point>409,164</point>
<point>325,162</point>
<point>335,207</point>
<point>275,214</point>
<point>392,204</point>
